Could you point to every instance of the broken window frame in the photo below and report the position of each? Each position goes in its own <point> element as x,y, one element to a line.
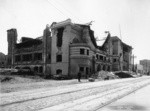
<point>81,69</point>
<point>60,36</point>
<point>59,58</point>
<point>82,51</point>
<point>27,57</point>
<point>18,58</point>
<point>101,57</point>
<point>37,56</point>
<point>59,71</point>
<point>87,52</point>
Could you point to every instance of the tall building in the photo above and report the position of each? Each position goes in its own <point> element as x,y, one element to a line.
<point>146,66</point>
<point>67,48</point>
<point>139,69</point>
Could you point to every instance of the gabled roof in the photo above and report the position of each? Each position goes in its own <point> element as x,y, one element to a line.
<point>91,33</point>
<point>124,44</point>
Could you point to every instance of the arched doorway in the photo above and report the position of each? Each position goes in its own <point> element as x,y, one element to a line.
<point>104,67</point>
<point>98,67</point>
<point>35,69</point>
<point>108,68</point>
<point>40,69</point>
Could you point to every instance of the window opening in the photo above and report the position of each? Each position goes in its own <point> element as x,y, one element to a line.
<point>59,58</point>
<point>59,36</point>
<point>82,51</point>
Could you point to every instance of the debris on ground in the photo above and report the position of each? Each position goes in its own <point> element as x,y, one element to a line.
<point>105,75</point>
<point>123,74</point>
<point>91,79</point>
<point>5,79</point>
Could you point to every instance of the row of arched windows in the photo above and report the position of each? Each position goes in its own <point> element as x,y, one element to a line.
<point>38,69</point>
<point>103,67</point>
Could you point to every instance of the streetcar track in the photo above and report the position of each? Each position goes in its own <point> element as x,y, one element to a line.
<point>118,89</point>
<point>105,88</point>
<point>97,109</point>
<point>126,87</point>
<point>33,98</point>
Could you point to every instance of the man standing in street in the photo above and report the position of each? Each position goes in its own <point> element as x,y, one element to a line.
<point>79,76</point>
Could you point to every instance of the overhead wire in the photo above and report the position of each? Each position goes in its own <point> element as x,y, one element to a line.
<point>58,2</point>
<point>60,11</point>
<point>57,9</point>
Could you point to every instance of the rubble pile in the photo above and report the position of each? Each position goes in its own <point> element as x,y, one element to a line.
<point>105,75</point>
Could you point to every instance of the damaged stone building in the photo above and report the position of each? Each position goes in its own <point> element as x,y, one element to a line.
<point>32,54</point>
<point>120,53</point>
<point>67,48</point>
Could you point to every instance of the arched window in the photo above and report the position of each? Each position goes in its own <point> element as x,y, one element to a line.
<point>108,68</point>
<point>98,67</point>
<point>36,69</point>
<point>104,67</point>
<point>75,40</point>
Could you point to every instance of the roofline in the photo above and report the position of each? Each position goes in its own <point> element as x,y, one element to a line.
<point>62,23</point>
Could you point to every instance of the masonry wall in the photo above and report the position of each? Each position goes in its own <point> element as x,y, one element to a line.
<point>78,61</point>
<point>62,65</point>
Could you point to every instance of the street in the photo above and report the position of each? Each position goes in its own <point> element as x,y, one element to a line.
<point>86,96</point>
<point>137,101</point>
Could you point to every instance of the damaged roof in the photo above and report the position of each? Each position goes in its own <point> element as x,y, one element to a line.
<point>91,33</point>
<point>28,43</point>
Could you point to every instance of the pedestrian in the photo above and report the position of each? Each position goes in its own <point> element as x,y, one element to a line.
<point>79,76</point>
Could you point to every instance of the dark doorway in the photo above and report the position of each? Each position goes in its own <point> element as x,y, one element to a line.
<point>87,72</point>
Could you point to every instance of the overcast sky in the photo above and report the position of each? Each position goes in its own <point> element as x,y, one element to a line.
<point>30,17</point>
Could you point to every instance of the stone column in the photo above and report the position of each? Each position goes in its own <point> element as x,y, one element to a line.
<point>46,34</point>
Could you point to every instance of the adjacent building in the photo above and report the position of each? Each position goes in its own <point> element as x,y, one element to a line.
<point>3,60</point>
<point>146,66</point>
<point>119,52</point>
<point>67,48</point>
<point>32,54</point>
<point>139,69</point>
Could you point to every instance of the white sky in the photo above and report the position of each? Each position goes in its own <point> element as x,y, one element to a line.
<point>30,17</point>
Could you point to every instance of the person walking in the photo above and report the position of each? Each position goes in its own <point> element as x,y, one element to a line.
<point>79,76</point>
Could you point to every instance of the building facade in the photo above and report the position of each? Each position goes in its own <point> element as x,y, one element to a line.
<point>67,48</point>
<point>3,60</point>
<point>120,53</point>
<point>139,69</point>
<point>146,66</point>
<point>32,54</point>
<point>74,49</point>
